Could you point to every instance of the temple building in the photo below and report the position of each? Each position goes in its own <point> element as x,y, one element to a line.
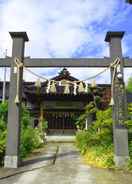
<point>60,100</point>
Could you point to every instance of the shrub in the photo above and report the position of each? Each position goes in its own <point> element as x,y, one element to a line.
<point>4,111</point>
<point>2,145</point>
<point>30,140</point>
<point>96,142</point>
<point>85,139</point>
<point>30,137</point>
<point>128,123</point>
<point>100,156</point>
<point>99,132</point>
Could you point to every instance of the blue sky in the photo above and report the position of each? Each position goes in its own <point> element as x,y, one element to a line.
<point>65,29</point>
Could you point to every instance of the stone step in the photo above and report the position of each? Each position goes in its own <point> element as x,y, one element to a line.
<point>60,138</point>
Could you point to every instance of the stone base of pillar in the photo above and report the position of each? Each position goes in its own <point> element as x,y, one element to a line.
<point>11,162</point>
<point>121,161</point>
<point>121,147</point>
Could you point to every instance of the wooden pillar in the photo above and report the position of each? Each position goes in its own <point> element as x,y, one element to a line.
<point>12,157</point>
<point>41,116</point>
<point>119,95</point>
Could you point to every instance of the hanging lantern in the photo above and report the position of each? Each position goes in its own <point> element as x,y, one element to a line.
<point>75,88</point>
<point>66,89</point>
<point>81,88</point>
<point>16,100</point>
<point>111,102</point>
<point>119,76</point>
<point>53,87</point>
<point>93,85</point>
<point>48,87</point>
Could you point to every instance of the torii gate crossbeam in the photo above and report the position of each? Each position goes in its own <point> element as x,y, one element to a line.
<point>12,159</point>
<point>64,62</point>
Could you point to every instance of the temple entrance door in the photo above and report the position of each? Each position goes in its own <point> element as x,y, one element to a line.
<point>61,125</point>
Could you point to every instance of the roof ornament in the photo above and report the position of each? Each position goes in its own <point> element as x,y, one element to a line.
<point>64,72</point>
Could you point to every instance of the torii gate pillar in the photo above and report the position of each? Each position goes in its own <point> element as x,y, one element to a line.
<point>119,114</point>
<point>12,157</point>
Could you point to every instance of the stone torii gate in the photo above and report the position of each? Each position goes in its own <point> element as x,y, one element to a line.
<point>12,156</point>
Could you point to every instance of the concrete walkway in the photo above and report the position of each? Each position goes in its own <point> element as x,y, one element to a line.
<point>64,166</point>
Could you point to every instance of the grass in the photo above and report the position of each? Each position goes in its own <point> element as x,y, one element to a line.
<point>99,156</point>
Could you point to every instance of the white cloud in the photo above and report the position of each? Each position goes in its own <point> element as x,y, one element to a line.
<point>58,28</point>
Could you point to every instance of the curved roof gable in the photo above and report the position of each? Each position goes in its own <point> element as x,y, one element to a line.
<point>64,75</point>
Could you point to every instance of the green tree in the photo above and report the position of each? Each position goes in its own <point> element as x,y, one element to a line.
<point>129,85</point>
<point>89,110</point>
<point>104,119</point>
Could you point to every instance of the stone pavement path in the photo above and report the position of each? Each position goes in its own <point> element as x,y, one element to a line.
<point>66,167</point>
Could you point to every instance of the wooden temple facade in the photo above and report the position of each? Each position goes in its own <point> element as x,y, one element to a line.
<point>59,108</point>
